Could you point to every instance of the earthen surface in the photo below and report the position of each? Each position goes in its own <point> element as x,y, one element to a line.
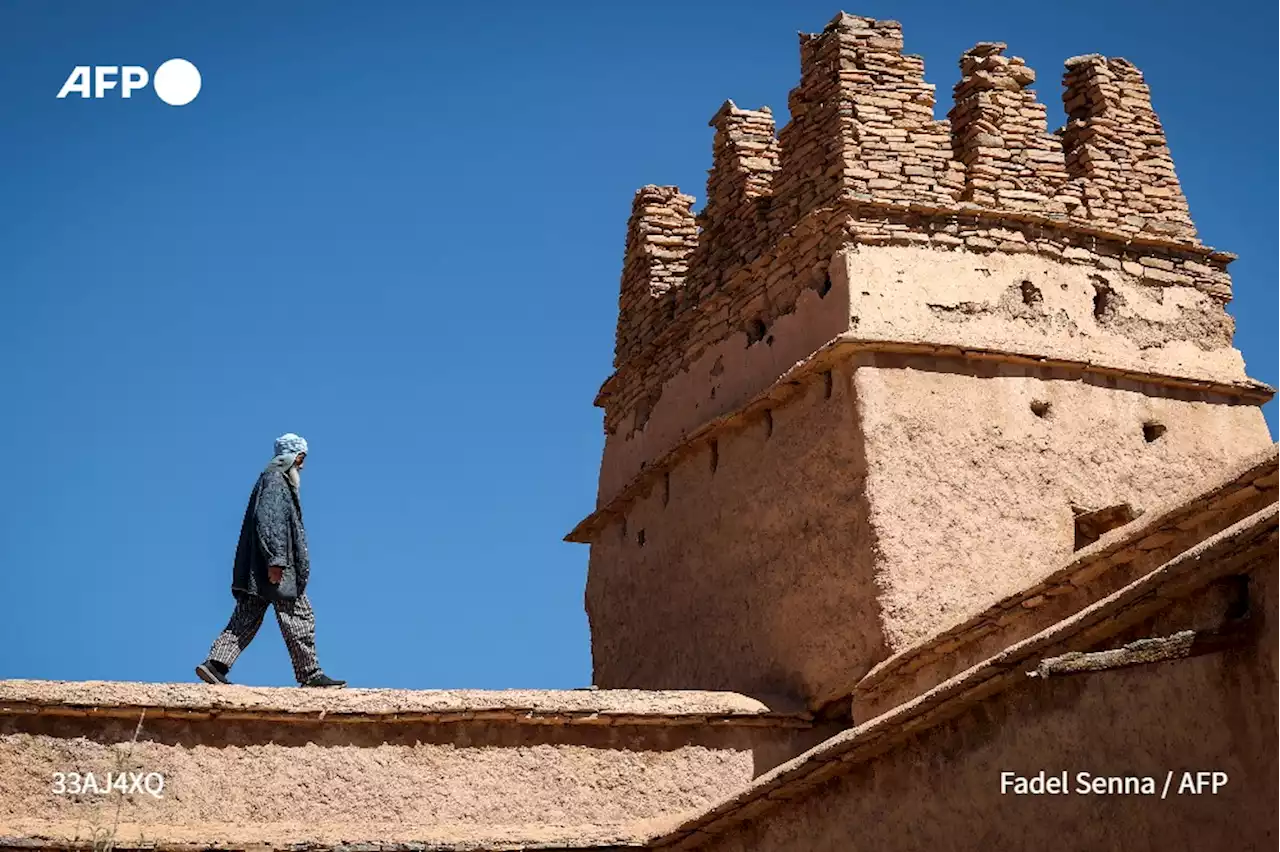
<point>1119,558</point>
<point>246,765</point>
<point>973,495</point>
<point>942,492</point>
<point>399,792</point>
<point>808,803</point>
<point>866,392</point>
<point>652,706</point>
<point>734,569</point>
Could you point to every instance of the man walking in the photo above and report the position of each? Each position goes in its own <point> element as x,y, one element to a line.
<point>272,567</point>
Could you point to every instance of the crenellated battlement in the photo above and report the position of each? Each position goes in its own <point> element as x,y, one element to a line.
<point>873,387</point>
<point>999,134</point>
<point>1116,151</point>
<point>863,161</point>
<point>661,236</point>
<point>861,124</point>
<point>735,221</point>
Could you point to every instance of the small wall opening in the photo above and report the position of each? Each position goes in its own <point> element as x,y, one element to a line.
<point>756,330</point>
<point>1031,295</point>
<point>827,381</point>
<point>824,288</point>
<point>640,538</point>
<point>1103,299</point>
<point>1041,407</point>
<point>1152,431</point>
<point>768,422</point>
<point>1238,608</point>
<point>715,455</point>
<point>666,487</point>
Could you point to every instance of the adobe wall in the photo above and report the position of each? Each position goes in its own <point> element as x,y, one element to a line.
<point>844,523</point>
<point>1120,557</point>
<point>1037,303</point>
<point>245,766</point>
<point>718,378</point>
<point>942,791</point>
<point>734,569</point>
<point>1004,287</point>
<point>973,494</point>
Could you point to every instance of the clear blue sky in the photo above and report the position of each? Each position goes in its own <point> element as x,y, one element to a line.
<point>396,228</point>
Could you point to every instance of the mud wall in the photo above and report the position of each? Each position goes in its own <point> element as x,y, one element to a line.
<point>942,791</point>
<point>975,478</point>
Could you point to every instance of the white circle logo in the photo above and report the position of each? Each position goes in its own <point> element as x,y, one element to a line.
<point>177,82</point>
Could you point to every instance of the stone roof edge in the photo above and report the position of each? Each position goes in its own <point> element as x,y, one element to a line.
<point>1218,555</point>
<point>111,699</point>
<point>848,344</point>
<point>1245,474</point>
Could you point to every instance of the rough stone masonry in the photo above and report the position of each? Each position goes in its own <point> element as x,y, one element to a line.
<point>868,388</point>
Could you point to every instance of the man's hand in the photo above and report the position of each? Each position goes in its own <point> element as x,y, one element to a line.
<point>274,574</point>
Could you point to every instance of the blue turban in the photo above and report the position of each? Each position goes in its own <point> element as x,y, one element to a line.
<point>290,444</point>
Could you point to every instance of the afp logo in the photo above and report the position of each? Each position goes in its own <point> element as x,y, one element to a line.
<point>176,82</point>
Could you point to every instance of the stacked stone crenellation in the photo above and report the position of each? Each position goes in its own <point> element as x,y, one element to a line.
<point>861,124</point>
<point>734,222</point>
<point>1116,150</point>
<point>1000,136</point>
<point>862,161</point>
<point>661,236</point>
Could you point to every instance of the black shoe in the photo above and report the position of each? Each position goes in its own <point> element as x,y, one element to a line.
<point>209,673</point>
<point>323,680</point>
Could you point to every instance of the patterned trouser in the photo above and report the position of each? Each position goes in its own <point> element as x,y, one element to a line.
<point>297,623</point>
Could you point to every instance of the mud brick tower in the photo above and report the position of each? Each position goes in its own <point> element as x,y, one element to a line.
<point>928,436</point>
<point>897,366</point>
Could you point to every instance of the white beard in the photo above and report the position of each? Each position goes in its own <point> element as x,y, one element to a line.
<point>295,478</point>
